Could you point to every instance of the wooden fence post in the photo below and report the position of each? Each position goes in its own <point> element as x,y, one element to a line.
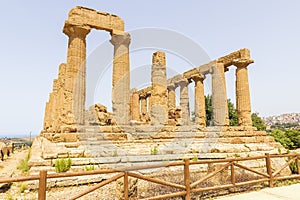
<point>42,185</point>
<point>187,180</point>
<point>126,186</point>
<point>269,169</point>
<point>232,173</point>
<point>297,164</point>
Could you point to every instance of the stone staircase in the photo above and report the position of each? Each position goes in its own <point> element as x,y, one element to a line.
<point>142,145</point>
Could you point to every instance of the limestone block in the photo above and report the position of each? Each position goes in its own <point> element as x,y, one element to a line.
<point>96,19</point>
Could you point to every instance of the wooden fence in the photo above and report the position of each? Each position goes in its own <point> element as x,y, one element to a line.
<point>187,188</point>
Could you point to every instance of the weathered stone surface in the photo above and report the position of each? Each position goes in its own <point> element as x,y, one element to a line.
<point>200,113</point>
<point>175,116</point>
<point>243,92</point>
<point>159,102</point>
<point>184,101</point>
<point>219,96</point>
<point>96,19</point>
<point>98,115</point>
<point>121,78</point>
<point>144,114</point>
<point>135,105</point>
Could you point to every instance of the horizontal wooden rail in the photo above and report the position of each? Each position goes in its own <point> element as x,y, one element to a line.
<point>156,181</point>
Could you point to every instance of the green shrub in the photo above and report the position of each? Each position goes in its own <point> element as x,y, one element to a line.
<point>195,158</point>
<point>89,167</point>
<point>154,151</point>
<point>23,165</point>
<point>115,153</point>
<point>293,166</point>
<point>290,139</point>
<point>9,197</point>
<point>63,165</point>
<point>22,187</point>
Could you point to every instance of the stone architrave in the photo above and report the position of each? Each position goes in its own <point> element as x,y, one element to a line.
<point>171,96</point>
<point>219,96</point>
<point>135,105</point>
<point>159,101</point>
<point>121,78</point>
<point>75,83</point>
<point>243,104</point>
<point>184,101</point>
<point>200,113</point>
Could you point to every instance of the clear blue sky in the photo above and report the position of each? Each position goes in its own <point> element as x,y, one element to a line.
<point>32,46</point>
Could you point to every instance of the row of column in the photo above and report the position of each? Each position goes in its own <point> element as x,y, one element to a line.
<point>219,97</point>
<point>200,114</point>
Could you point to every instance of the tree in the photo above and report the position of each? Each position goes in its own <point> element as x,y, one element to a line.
<point>258,122</point>
<point>208,110</point>
<point>294,136</point>
<point>280,137</point>
<point>232,114</point>
<point>233,119</point>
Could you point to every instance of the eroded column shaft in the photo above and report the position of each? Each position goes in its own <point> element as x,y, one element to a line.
<point>171,97</point>
<point>159,101</point>
<point>135,106</point>
<point>200,113</point>
<point>219,96</point>
<point>243,104</point>
<point>184,101</point>
<point>75,83</point>
<point>121,79</point>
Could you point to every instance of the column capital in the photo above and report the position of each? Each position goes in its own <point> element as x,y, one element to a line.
<point>242,63</point>
<point>78,30</point>
<point>183,82</point>
<point>172,87</point>
<point>143,96</point>
<point>198,77</point>
<point>120,39</point>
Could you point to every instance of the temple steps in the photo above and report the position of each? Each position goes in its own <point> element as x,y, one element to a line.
<point>117,150</point>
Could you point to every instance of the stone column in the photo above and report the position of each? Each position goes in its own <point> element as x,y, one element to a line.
<point>184,101</point>
<point>144,114</point>
<point>135,105</point>
<point>171,96</point>
<point>159,101</point>
<point>243,104</point>
<point>200,113</point>
<point>121,78</point>
<point>75,83</point>
<point>219,96</point>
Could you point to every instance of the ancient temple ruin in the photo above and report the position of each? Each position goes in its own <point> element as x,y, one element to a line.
<point>154,105</point>
<point>146,125</point>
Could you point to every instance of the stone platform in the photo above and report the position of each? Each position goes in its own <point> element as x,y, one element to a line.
<point>141,145</point>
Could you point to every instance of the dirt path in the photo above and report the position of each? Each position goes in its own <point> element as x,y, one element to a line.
<point>9,166</point>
